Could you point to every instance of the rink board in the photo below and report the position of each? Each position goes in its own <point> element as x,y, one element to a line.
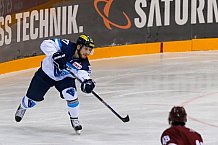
<point>123,50</point>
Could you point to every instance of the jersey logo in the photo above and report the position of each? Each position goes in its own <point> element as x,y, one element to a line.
<point>199,143</point>
<point>66,41</point>
<point>165,139</point>
<point>77,65</point>
<point>89,71</point>
<point>59,73</point>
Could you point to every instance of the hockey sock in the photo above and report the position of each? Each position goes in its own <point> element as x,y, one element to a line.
<point>27,103</point>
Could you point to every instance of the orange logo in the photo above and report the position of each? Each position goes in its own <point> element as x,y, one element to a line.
<point>105,16</point>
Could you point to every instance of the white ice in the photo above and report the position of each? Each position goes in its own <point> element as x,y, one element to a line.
<point>145,87</point>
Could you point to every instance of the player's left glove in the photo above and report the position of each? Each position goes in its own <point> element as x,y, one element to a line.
<point>87,85</point>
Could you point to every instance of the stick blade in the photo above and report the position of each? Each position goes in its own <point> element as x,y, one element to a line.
<point>126,119</point>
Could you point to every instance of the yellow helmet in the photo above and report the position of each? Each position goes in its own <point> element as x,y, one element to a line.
<point>85,40</point>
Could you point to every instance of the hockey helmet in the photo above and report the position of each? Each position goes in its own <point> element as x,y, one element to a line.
<point>85,40</point>
<point>177,115</point>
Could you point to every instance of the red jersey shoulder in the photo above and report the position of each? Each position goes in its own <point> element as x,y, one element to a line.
<point>168,136</point>
<point>181,135</point>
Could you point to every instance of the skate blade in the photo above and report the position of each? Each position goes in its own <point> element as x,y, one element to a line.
<point>18,118</point>
<point>78,132</point>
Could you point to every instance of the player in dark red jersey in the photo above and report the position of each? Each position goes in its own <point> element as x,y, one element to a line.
<point>178,134</point>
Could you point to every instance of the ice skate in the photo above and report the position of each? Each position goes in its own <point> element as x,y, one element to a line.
<point>19,113</point>
<point>76,125</point>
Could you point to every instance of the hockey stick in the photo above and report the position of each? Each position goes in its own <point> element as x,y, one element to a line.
<point>72,71</point>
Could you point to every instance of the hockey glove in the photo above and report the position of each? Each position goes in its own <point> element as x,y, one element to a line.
<point>59,60</point>
<point>87,85</point>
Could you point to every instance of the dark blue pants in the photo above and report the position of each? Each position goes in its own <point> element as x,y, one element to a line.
<point>41,83</point>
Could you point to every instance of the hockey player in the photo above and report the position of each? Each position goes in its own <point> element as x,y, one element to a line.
<point>52,73</point>
<point>178,134</point>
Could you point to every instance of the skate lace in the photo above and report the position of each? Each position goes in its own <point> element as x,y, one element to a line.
<point>20,112</point>
<point>75,122</point>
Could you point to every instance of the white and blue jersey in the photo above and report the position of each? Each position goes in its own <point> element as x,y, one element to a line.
<point>49,47</point>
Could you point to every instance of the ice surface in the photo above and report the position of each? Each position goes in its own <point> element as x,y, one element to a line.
<point>145,87</point>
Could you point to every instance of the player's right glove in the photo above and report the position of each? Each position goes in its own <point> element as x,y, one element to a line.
<point>87,85</point>
<point>60,60</point>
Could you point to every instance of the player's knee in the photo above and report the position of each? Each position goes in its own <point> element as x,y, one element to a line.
<point>69,94</point>
<point>27,103</point>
